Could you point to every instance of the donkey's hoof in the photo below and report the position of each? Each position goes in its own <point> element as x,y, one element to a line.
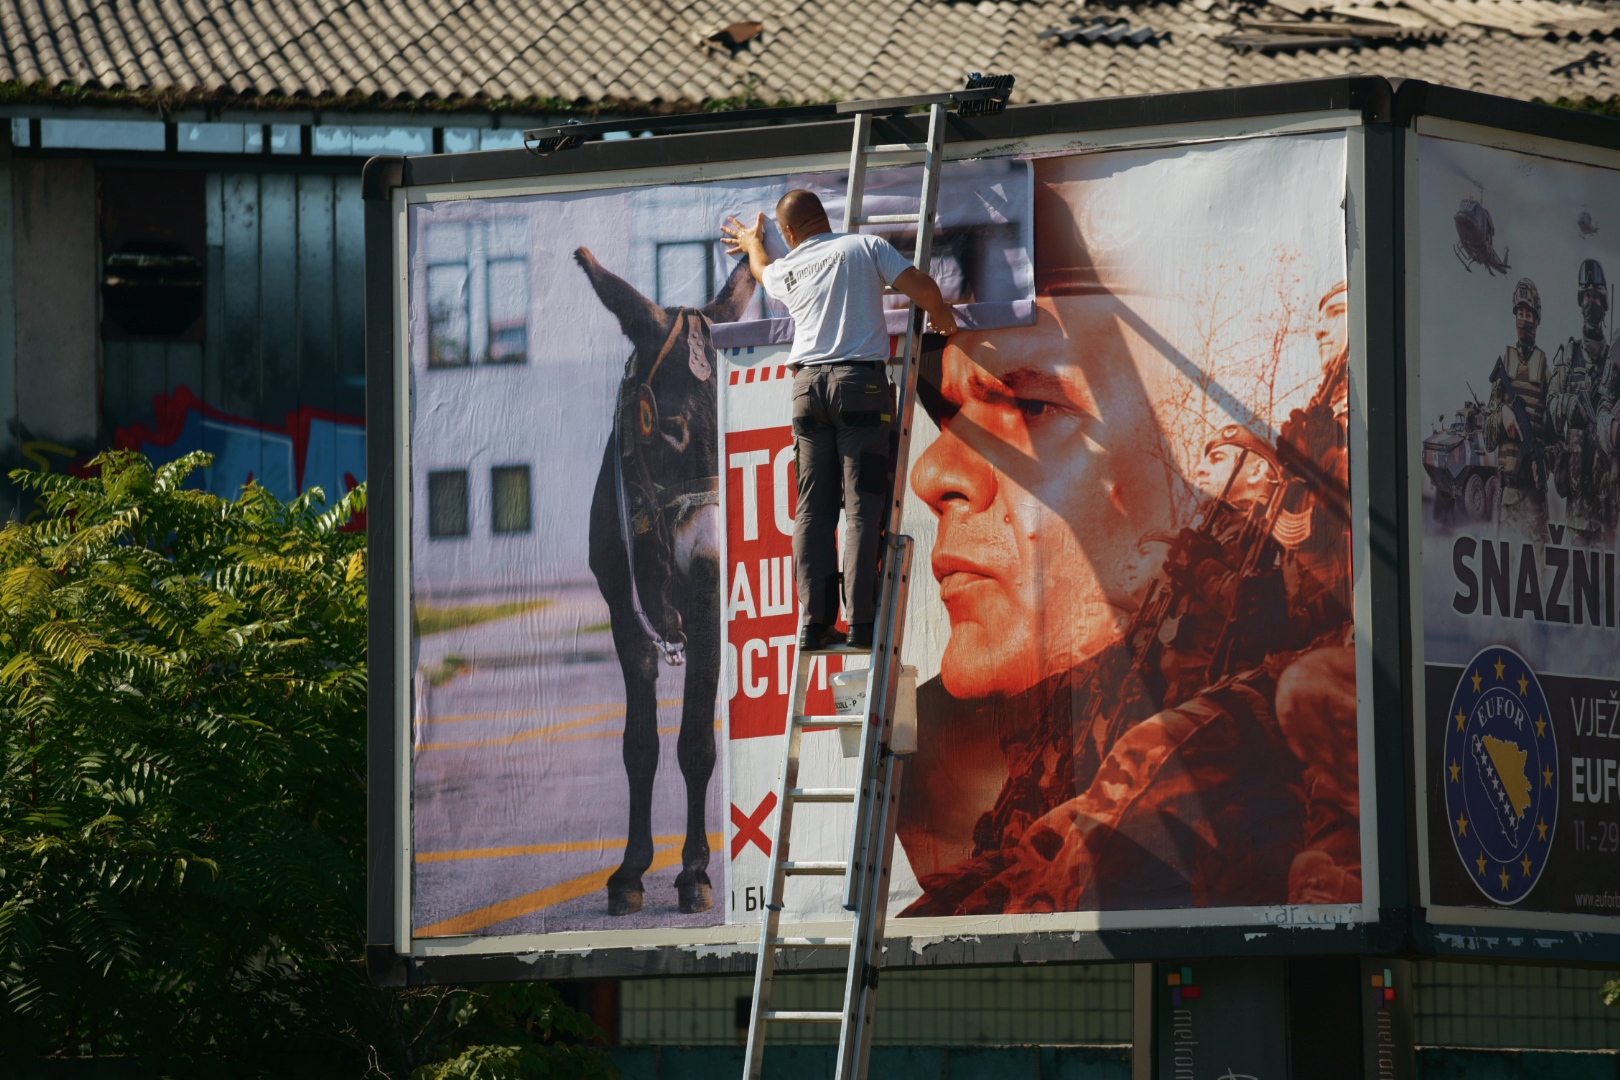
<point>624,901</point>
<point>695,898</point>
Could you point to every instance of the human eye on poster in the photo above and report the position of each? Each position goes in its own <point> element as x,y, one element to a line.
<point>1520,497</point>
<point>1130,490</point>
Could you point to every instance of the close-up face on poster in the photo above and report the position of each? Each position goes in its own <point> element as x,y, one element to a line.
<point>1132,605</point>
<point>1520,496</point>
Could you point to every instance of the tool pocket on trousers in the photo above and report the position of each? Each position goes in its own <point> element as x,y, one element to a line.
<point>872,474</point>
<point>804,420</point>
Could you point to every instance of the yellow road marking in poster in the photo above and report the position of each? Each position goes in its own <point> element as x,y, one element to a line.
<point>545,732</point>
<point>529,903</point>
<point>535,849</point>
<point>522,713</point>
<point>550,733</point>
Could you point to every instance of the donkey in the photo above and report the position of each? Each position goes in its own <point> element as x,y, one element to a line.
<point>655,551</point>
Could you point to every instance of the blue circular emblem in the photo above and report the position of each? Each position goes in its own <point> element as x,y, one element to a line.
<point>1500,774</point>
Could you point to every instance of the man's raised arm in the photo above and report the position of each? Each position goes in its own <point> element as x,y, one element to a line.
<point>740,239</point>
<point>923,291</point>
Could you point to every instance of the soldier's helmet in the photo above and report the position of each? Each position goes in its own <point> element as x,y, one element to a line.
<point>1525,294</point>
<point>1591,277</point>
<point>1241,437</point>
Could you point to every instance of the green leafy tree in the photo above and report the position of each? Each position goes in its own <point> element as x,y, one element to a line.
<point>182,814</point>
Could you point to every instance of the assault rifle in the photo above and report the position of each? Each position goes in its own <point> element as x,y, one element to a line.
<point>1145,638</point>
<point>1532,453</point>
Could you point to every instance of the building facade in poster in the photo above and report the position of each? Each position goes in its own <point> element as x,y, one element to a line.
<point>1130,488</point>
<point>1521,492</point>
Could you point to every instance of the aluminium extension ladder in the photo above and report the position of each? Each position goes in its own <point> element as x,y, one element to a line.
<point>876,800</point>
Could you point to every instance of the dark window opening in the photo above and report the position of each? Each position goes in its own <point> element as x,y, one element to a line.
<point>153,251</point>
<point>510,498</point>
<point>447,504</point>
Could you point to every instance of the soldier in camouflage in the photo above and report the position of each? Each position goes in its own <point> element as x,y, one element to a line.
<point>1583,467</point>
<point>1523,499</point>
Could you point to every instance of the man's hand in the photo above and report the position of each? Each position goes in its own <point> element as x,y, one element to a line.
<point>923,291</point>
<point>741,239</point>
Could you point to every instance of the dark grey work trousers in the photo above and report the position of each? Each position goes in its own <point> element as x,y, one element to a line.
<point>842,419</point>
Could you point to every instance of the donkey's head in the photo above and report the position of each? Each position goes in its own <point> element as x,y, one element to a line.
<point>670,395</point>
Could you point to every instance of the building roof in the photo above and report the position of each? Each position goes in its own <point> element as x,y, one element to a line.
<point>672,55</point>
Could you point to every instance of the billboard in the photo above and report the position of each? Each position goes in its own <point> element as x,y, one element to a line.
<point>1136,491</point>
<point>1517,536</point>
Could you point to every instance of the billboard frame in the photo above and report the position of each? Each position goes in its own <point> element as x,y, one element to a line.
<point>1374,114</point>
<point>1419,109</point>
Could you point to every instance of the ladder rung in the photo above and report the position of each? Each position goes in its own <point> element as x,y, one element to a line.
<point>784,1016</point>
<point>888,219</point>
<point>898,148</point>
<point>822,794</point>
<point>829,721</point>
<point>837,650</point>
<point>827,869</point>
<point>810,943</point>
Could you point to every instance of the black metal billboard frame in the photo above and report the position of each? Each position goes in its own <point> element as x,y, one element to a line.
<point>1387,112</point>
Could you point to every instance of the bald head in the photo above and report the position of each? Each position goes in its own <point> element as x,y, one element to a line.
<point>800,216</point>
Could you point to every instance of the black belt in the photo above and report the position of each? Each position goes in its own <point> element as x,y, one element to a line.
<point>875,365</point>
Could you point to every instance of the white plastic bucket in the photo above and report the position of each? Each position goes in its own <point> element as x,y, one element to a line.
<point>849,699</point>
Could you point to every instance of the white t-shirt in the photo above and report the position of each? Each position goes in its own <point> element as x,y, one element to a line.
<point>833,285</point>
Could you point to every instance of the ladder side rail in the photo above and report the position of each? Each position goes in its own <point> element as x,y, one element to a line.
<point>855,1046</point>
<point>883,678</point>
<point>771,917</point>
<point>855,195</point>
<point>910,360</point>
<point>877,842</point>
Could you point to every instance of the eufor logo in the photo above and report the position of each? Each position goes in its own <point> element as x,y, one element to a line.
<point>1501,774</point>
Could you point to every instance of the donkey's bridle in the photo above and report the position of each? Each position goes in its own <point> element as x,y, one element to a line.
<point>683,501</point>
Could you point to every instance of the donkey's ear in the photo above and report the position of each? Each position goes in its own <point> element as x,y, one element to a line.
<point>733,297</point>
<point>637,315</point>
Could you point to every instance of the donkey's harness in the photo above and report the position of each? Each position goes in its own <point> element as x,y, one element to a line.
<point>660,508</point>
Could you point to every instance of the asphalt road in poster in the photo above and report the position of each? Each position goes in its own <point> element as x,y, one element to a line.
<point>520,792</point>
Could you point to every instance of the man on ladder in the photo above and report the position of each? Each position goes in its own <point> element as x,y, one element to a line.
<point>843,406</point>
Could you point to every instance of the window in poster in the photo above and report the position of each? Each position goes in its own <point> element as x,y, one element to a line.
<point>1520,497</point>
<point>1132,489</point>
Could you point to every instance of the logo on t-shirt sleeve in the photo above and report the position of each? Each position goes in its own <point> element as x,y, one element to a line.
<point>789,281</point>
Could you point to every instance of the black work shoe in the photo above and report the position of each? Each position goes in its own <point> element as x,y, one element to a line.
<point>817,636</point>
<point>860,635</point>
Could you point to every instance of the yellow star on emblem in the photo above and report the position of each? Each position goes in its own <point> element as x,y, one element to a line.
<point>1455,770</point>
<point>1462,825</point>
<point>1524,686</point>
<point>1541,727</point>
<point>1541,826</point>
<point>1504,876</point>
<point>1501,666</point>
<point>1462,718</point>
<point>1546,774</point>
<point>1525,862</point>
<point>1480,862</point>
<point>1476,682</point>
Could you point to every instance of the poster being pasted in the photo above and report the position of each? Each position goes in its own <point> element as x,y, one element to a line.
<point>1131,610</point>
<point>1520,497</point>
<point>572,677</point>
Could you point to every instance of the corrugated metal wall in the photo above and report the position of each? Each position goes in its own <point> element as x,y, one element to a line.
<point>1058,1005</point>
<point>284,319</point>
<point>1462,1005</point>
